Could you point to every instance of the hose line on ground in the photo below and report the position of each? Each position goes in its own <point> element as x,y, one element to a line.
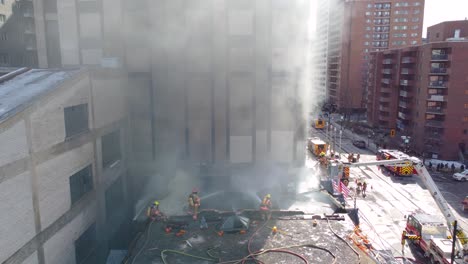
<point>148,233</point>
<point>163,257</point>
<point>344,240</point>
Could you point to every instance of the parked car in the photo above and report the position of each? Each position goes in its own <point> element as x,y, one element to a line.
<point>359,143</point>
<point>461,176</point>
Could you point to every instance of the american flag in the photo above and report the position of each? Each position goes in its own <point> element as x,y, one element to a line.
<point>344,190</point>
<point>335,186</point>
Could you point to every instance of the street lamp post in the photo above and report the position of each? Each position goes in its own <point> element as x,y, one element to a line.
<point>341,132</point>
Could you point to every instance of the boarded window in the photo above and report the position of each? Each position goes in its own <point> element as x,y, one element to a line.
<point>85,244</point>
<point>81,183</point>
<point>110,148</point>
<point>76,119</point>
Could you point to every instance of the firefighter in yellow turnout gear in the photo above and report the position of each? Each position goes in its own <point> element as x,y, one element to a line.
<point>265,207</point>
<point>154,213</point>
<point>194,203</point>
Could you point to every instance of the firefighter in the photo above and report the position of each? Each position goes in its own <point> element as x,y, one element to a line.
<point>154,213</point>
<point>194,203</point>
<point>465,204</point>
<point>265,207</point>
<point>364,188</point>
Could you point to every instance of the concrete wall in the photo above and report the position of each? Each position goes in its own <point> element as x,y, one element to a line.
<point>67,20</point>
<point>60,248</point>
<point>54,183</point>
<point>37,161</point>
<point>48,121</point>
<point>13,142</point>
<point>17,217</point>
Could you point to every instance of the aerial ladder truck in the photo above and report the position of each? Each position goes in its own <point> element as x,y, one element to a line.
<point>339,171</point>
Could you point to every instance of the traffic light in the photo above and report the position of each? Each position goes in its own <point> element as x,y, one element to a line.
<point>392,132</point>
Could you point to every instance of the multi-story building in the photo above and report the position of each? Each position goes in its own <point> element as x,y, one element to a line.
<point>353,29</point>
<point>63,164</point>
<point>17,34</point>
<point>410,90</point>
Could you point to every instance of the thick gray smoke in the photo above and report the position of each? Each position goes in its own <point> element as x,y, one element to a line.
<point>232,84</point>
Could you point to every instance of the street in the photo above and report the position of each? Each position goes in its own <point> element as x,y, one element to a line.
<point>390,199</point>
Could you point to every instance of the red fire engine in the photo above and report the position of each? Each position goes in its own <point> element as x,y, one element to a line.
<point>389,154</point>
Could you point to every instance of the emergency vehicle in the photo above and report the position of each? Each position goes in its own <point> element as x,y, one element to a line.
<point>389,154</point>
<point>421,228</point>
<point>317,146</point>
<point>319,123</point>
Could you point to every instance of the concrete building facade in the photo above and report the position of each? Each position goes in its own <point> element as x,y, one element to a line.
<point>63,164</point>
<point>353,29</point>
<point>17,34</point>
<point>420,91</point>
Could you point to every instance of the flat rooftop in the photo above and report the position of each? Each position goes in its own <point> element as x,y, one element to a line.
<point>18,92</point>
<point>317,244</point>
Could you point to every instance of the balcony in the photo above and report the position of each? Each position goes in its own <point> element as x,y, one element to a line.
<point>435,110</point>
<point>387,61</point>
<point>404,104</point>
<point>385,99</point>
<point>385,90</point>
<point>437,98</point>
<point>406,82</point>
<point>404,116</point>
<point>408,60</point>
<point>387,71</point>
<point>433,136</point>
<point>439,71</point>
<point>386,81</point>
<point>384,108</point>
<point>406,94</point>
<point>384,118</point>
<point>438,84</point>
<point>407,71</point>
<point>434,123</point>
<point>439,57</point>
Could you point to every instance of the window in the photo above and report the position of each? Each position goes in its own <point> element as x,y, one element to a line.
<point>417,4</point>
<point>2,18</point>
<point>417,11</point>
<point>81,183</point>
<point>369,5</point>
<point>414,34</point>
<point>114,198</point>
<point>466,105</point>
<point>465,131</point>
<point>3,58</point>
<point>415,19</point>
<point>110,145</point>
<point>414,42</point>
<point>465,119</point>
<point>368,28</point>
<point>85,244</point>
<point>368,13</point>
<point>414,27</point>
<point>76,119</point>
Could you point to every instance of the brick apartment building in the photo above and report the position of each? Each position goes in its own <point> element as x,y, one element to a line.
<point>352,30</point>
<point>421,91</point>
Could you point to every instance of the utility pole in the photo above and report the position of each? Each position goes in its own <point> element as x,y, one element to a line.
<point>454,240</point>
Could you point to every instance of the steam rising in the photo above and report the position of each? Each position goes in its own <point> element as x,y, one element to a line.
<point>228,77</point>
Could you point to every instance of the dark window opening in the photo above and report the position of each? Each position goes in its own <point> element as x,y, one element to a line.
<point>85,244</point>
<point>114,199</point>
<point>110,148</point>
<point>76,119</point>
<point>81,183</point>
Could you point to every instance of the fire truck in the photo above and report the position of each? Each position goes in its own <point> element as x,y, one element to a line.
<point>317,146</point>
<point>390,154</point>
<point>424,230</point>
